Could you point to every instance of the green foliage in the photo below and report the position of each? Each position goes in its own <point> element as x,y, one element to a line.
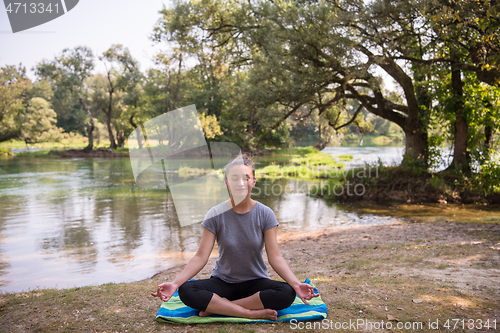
<point>210,126</point>
<point>14,88</point>
<point>305,162</point>
<point>481,109</point>
<point>466,33</point>
<point>66,74</point>
<point>436,182</point>
<point>315,160</point>
<point>122,86</point>
<point>436,141</point>
<point>299,171</point>
<point>413,166</point>
<point>37,123</point>
<point>346,158</point>
<point>37,153</point>
<point>5,151</point>
<point>488,179</point>
<point>381,127</point>
<point>301,151</point>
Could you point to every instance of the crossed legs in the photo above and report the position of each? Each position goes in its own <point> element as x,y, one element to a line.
<point>252,299</point>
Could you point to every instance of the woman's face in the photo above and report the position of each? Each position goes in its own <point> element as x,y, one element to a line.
<point>240,182</point>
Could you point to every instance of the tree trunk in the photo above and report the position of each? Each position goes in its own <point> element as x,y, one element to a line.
<point>120,139</point>
<point>90,130</point>
<point>178,87</point>
<point>488,141</point>
<point>415,124</point>
<point>416,144</point>
<point>110,130</point>
<point>320,145</point>
<point>417,140</point>
<point>109,114</point>
<point>137,130</point>
<point>460,158</point>
<point>415,128</point>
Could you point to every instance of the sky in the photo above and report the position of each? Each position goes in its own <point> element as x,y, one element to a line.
<point>92,23</point>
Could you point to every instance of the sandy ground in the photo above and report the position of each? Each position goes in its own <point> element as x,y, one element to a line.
<point>307,248</point>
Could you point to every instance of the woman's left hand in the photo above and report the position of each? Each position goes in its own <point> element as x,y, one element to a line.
<point>305,292</point>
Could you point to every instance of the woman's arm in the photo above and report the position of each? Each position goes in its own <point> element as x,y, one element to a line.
<point>194,265</point>
<point>278,263</point>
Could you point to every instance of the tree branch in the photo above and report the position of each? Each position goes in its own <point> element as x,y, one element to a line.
<point>358,110</point>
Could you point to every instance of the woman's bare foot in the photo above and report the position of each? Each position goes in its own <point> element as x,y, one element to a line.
<point>255,314</point>
<point>264,314</point>
<point>229,308</point>
<point>204,313</point>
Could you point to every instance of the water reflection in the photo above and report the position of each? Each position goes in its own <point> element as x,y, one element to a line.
<point>74,222</point>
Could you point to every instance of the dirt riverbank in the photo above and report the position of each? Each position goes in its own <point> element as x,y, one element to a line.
<point>402,273</point>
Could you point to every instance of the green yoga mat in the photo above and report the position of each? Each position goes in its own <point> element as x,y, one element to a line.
<point>174,311</point>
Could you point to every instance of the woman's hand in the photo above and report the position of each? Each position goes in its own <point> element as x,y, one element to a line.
<point>305,292</point>
<point>165,291</point>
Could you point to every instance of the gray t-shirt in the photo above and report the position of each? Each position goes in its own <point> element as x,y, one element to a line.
<point>240,238</point>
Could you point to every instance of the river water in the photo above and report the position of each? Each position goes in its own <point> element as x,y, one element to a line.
<point>74,222</point>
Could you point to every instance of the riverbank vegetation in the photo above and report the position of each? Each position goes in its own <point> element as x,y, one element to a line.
<point>403,273</point>
<point>407,183</point>
<point>71,146</point>
<point>303,163</point>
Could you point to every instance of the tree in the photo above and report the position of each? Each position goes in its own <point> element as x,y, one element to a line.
<point>463,34</point>
<point>318,53</point>
<point>14,87</point>
<point>298,54</point>
<point>38,123</point>
<point>66,74</point>
<point>210,126</point>
<point>124,80</point>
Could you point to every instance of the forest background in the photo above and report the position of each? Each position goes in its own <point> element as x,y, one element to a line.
<point>285,73</point>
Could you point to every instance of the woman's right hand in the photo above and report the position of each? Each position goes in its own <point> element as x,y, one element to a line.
<point>165,291</point>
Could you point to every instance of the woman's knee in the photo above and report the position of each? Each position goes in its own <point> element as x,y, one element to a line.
<point>288,295</point>
<point>187,293</point>
<point>194,295</point>
<point>279,298</point>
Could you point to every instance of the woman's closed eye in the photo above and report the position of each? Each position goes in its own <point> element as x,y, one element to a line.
<point>237,179</point>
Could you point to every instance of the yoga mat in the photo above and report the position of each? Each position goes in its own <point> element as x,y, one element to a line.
<point>176,312</point>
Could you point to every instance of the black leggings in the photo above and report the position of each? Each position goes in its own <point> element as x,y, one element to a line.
<point>274,295</point>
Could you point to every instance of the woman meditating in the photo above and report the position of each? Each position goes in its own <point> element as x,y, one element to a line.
<point>239,285</point>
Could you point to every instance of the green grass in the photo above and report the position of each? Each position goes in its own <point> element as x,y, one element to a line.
<point>346,158</point>
<point>74,142</point>
<point>295,151</point>
<point>291,171</point>
<point>5,151</point>
<point>188,172</point>
<point>44,148</point>
<point>304,163</point>
<point>37,153</point>
<point>315,160</point>
<point>123,150</point>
